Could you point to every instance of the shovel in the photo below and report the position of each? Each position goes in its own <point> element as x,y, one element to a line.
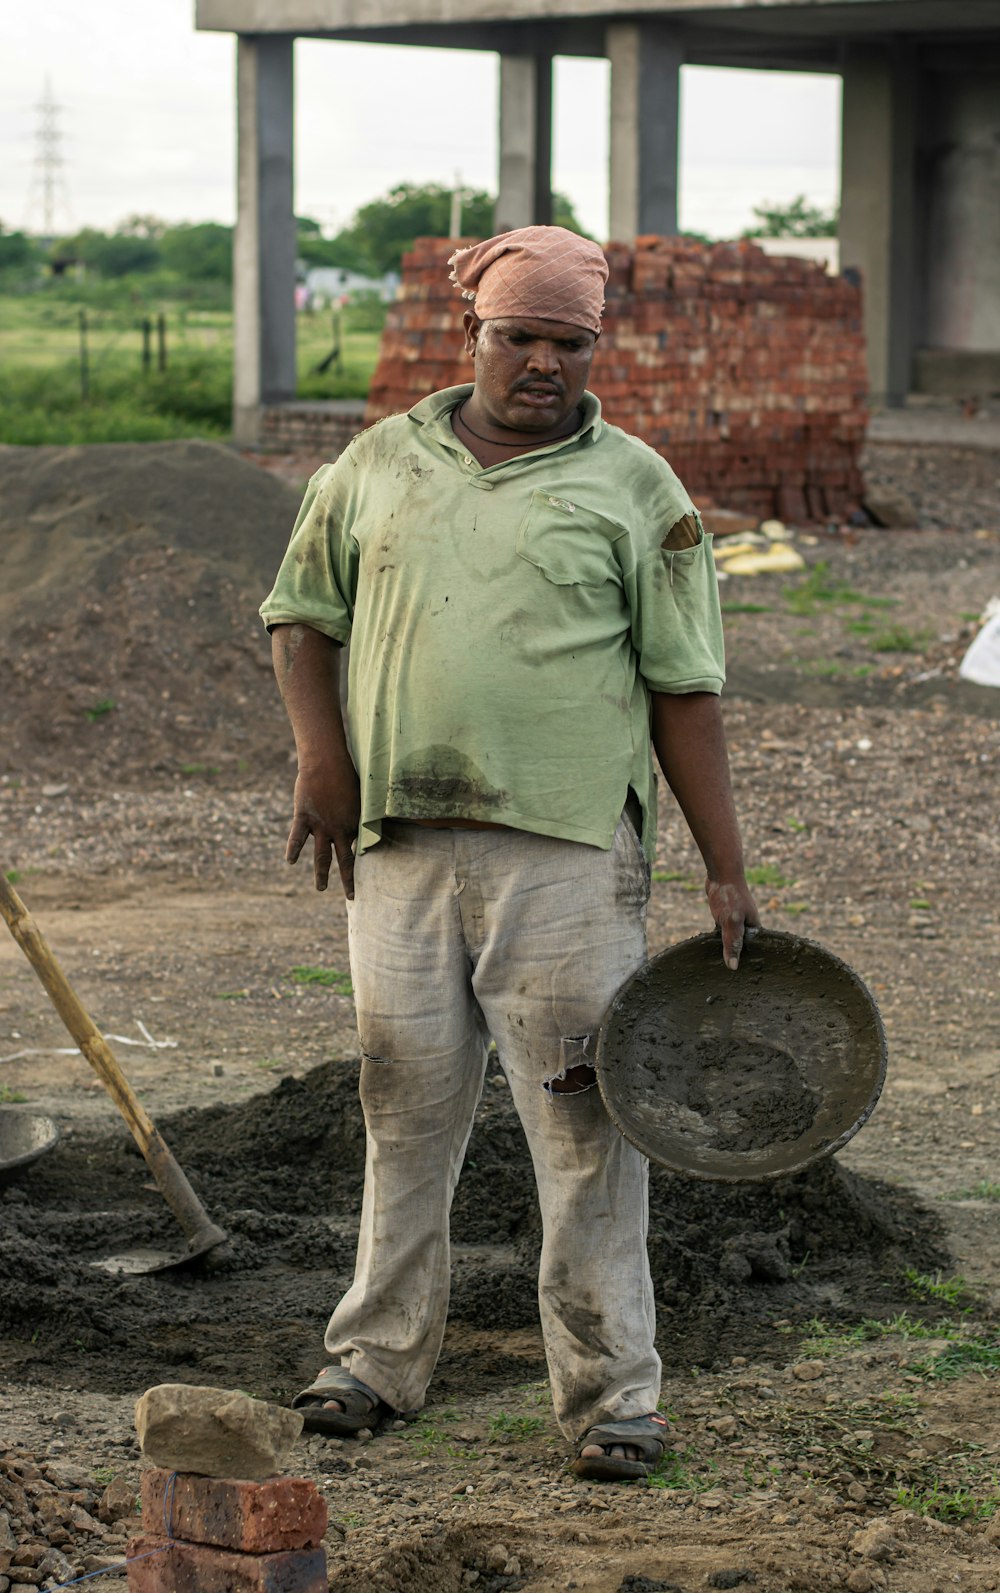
<point>201,1233</point>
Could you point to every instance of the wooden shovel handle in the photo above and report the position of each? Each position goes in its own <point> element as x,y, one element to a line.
<point>176,1190</point>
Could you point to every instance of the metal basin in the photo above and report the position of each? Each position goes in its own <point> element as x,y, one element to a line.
<point>744,1076</point>
<point>24,1136</point>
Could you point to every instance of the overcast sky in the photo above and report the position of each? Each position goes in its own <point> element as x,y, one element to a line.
<point>147,117</point>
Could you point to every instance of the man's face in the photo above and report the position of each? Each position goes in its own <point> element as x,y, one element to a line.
<point>530,375</point>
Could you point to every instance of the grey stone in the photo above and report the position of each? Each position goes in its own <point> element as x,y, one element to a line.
<point>214,1432</point>
<point>891,508</point>
<point>8,1541</point>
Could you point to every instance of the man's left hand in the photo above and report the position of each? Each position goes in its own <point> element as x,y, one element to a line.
<point>735,911</point>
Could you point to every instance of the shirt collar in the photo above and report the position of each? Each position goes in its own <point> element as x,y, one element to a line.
<point>436,410</point>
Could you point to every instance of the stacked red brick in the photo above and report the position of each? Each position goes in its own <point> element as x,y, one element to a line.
<point>747,372</point>
<point>213,1535</point>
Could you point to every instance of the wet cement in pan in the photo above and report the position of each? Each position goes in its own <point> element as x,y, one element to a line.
<point>747,1094</point>
<point>282,1173</point>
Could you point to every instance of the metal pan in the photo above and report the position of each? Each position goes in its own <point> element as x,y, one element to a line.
<point>742,1076</point>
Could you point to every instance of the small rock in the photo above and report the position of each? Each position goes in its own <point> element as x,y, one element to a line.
<point>733,1578</point>
<point>117,1501</point>
<point>399,1427</point>
<point>101,1562</point>
<point>808,1371</point>
<point>725,1426</point>
<point>860,1580</point>
<point>497,1557</point>
<point>214,1432</point>
<point>875,1542</point>
<point>8,1542</point>
<point>54,790</point>
<point>513,1566</point>
<point>857,1492</point>
<point>713,1501</point>
<point>890,508</point>
<point>364,1433</point>
<point>55,1566</point>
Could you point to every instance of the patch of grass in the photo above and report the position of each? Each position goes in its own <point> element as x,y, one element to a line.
<point>11,1097</point>
<point>745,608</point>
<point>232,995</point>
<point>796,825</point>
<point>766,874</point>
<point>817,589</point>
<point>13,876</point>
<point>682,1470</point>
<point>955,1504</point>
<point>861,627</point>
<point>668,876</point>
<point>822,1339</point>
<point>103,1475</point>
<point>503,1425</point>
<point>796,907</point>
<point>961,1356</point>
<point>920,903</point>
<point>826,668</point>
<point>899,639</point>
<point>984,1190</point>
<point>329,978</point>
<point>106,705</point>
<point>269,1063</point>
<point>951,1291</point>
<point>199,768</point>
<point>969,618</point>
<point>862,671</point>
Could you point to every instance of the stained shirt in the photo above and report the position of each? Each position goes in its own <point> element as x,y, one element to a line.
<point>506,624</point>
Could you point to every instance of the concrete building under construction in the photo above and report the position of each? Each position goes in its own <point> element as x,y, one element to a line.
<point>920,210</point>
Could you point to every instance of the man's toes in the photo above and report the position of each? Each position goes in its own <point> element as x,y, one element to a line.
<point>333,1404</point>
<point>616,1451</point>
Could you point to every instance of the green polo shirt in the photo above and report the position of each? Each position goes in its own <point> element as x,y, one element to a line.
<point>506,624</point>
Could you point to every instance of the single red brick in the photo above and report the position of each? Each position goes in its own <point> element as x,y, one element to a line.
<point>255,1517</point>
<point>168,1565</point>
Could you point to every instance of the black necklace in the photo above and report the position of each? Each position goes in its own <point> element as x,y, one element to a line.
<point>494,444</point>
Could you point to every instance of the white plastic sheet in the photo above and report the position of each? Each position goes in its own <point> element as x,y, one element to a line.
<point>981,663</point>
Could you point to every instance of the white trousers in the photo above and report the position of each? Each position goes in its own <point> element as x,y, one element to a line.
<point>457,935</point>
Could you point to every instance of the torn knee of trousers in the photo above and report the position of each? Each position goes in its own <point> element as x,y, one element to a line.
<point>576,1073</point>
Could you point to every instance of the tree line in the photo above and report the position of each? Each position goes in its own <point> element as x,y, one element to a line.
<point>372,244</point>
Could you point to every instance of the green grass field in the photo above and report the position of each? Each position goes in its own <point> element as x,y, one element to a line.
<point>41,387</point>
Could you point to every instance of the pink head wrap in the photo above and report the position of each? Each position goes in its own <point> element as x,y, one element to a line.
<point>541,273</point>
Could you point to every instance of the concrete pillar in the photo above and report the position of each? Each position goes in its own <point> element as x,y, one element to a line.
<point>878,207</point>
<point>524,187</point>
<point>264,241</point>
<point>961,257</point>
<point>646,59</point>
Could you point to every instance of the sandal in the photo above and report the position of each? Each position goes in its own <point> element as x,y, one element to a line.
<point>362,1406</point>
<point>647,1434</point>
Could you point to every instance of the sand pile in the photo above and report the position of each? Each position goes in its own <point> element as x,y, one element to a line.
<point>130,577</point>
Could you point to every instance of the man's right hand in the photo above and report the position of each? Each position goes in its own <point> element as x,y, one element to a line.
<point>327,807</point>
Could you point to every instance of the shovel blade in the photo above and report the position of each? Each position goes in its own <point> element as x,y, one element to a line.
<point>139,1261</point>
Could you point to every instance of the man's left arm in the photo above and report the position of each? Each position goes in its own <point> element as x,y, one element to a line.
<point>690,744</point>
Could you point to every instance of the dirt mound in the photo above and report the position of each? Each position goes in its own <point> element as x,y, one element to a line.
<point>283,1172</point>
<point>129,637</point>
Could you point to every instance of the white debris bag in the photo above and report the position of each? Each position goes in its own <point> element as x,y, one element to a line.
<point>981,663</point>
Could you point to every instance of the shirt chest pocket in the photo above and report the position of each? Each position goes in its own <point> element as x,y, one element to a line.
<point>571,545</point>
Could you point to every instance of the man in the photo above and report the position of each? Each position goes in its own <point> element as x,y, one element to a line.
<point>531,603</point>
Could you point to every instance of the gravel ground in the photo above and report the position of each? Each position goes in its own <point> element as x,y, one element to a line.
<point>831,1441</point>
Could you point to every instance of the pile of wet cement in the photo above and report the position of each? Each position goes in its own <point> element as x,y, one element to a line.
<point>282,1172</point>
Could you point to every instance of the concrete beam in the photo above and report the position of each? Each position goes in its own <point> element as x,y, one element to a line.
<point>646,60</point>
<point>524,187</point>
<point>878,207</point>
<point>264,240</point>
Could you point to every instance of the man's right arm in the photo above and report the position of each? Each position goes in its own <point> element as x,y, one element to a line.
<point>327,792</point>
